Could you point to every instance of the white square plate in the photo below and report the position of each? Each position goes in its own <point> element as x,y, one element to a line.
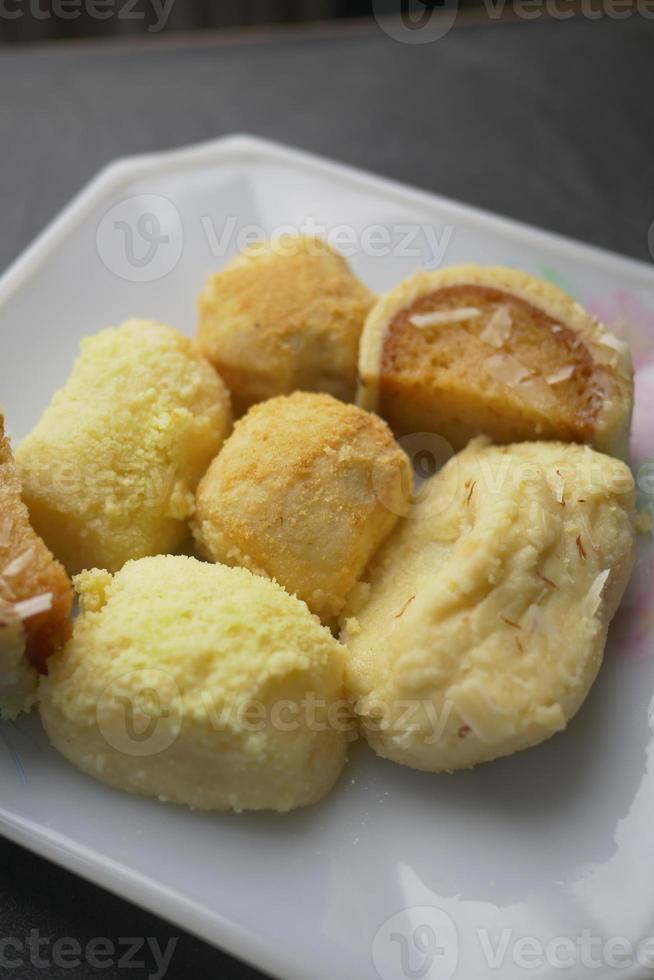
<point>398,874</point>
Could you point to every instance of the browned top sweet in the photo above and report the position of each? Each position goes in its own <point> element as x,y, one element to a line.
<point>28,570</point>
<point>538,361</point>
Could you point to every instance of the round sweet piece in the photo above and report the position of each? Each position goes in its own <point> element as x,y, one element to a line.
<point>477,349</point>
<point>198,684</point>
<point>36,596</point>
<point>483,620</point>
<point>304,491</point>
<point>284,315</point>
<point>110,470</point>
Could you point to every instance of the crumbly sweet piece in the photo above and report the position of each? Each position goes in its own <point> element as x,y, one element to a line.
<point>485,619</point>
<point>479,349</point>
<point>304,491</point>
<point>35,596</point>
<point>110,470</point>
<point>284,315</point>
<point>198,684</point>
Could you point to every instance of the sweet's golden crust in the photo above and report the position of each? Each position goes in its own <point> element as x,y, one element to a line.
<point>282,316</point>
<point>304,491</point>
<point>487,614</point>
<point>466,377</point>
<point>231,659</point>
<point>27,570</point>
<point>110,470</point>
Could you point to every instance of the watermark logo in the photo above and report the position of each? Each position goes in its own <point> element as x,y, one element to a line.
<point>155,12</point>
<point>141,239</point>
<point>417,21</point>
<point>419,943</point>
<point>424,21</point>
<point>140,712</point>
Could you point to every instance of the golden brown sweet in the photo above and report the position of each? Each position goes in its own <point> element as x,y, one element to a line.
<point>478,349</point>
<point>284,315</point>
<point>35,596</point>
<point>304,491</point>
<point>201,685</point>
<point>110,470</point>
<point>484,620</point>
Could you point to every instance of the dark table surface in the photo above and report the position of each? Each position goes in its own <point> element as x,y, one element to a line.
<point>550,122</point>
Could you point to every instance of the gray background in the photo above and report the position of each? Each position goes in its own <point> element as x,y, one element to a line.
<point>549,122</point>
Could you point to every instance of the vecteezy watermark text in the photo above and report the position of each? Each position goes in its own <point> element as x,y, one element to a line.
<point>423,943</point>
<point>155,12</point>
<point>424,21</point>
<point>142,238</point>
<point>100,953</point>
<point>401,240</point>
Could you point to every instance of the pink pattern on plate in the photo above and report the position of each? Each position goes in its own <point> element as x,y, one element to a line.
<point>642,426</point>
<point>628,315</point>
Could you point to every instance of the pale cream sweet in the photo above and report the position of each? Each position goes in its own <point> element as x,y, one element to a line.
<point>484,620</point>
<point>304,491</point>
<point>110,470</point>
<point>198,684</point>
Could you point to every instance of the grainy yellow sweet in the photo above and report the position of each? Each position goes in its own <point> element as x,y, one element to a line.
<point>284,315</point>
<point>35,596</point>
<point>473,349</point>
<point>304,491</point>
<point>187,681</point>
<point>484,621</point>
<point>110,470</point>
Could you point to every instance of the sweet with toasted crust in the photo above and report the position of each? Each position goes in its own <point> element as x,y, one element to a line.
<point>472,349</point>
<point>35,595</point>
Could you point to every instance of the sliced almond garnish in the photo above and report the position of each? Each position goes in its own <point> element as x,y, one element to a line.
<point>32,607</point>
<point>535,621</point>
<point>439,317</point>
<point>585,523</point>
<point>507,369</point>
<point>561,375</point>
<point>559,486</point>
<point>5,532</point>
<point>610,340</point>
<point>594,596</point>
<point>498,329</point>
<point>19,564</point>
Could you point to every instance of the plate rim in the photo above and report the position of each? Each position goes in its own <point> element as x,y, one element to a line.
<point>247,146</point>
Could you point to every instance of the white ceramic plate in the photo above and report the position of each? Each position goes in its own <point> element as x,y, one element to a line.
<point>398,874</point>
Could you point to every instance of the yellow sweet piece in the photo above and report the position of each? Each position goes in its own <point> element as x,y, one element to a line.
<point>485,617</point>
<point>110,470</point>
<point>284,315</point>
<point>187,681</point>
<point>304,491</point>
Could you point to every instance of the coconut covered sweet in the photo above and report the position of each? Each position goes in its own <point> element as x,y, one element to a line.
<point>110,470</point>
<point>198,684</point>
